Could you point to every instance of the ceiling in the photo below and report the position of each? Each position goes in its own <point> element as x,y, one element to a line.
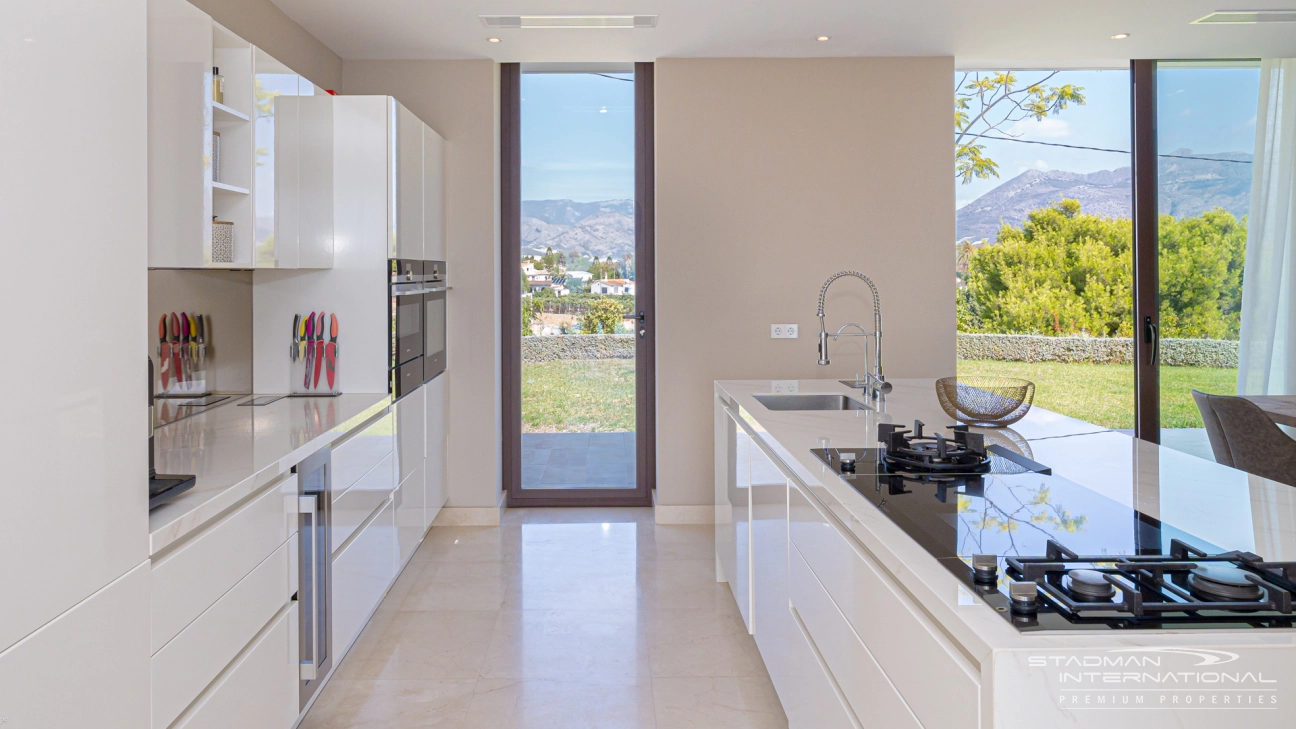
<point>1020,33</point>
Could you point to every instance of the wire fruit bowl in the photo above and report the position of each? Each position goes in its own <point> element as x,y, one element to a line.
<point>986,402</point>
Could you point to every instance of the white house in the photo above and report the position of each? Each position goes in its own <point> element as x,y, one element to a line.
<point>612,286</point>
<point>582,276</point>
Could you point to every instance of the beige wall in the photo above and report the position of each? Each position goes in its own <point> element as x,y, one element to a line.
<point>771,175</point>
<point>263,25</point>
<point>459,99</point>
<point>225,297</point>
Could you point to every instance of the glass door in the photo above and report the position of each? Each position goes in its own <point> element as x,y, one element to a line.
<point>1206,114</point>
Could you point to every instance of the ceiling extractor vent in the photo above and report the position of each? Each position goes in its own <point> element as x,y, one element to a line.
<point>569,21</point>
<point>1247,17</point>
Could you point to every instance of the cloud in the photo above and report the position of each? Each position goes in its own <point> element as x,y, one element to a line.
<point>1046,128</point>
<point>1041,165</point>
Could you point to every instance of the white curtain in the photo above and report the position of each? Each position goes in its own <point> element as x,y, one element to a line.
<point>1267,352</point>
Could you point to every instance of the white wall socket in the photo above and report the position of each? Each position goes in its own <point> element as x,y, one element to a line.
<point>783,387</point>
<point>783,331</point>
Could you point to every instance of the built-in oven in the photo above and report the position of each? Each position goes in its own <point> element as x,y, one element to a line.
<point>418,348</point>
<point>434,319</point>
<point>314,571</point>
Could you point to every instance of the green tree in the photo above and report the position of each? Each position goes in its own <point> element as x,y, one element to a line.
<point>989,104</point>
<point>530,308</point>
<point>603,315</point>
<point>1201,275</point>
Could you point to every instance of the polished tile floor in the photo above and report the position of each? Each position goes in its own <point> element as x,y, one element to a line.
<point>578,460</point>
<point>563,618</point>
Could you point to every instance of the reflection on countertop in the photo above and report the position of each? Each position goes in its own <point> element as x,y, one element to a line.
<point>234,451</point>
<point>167,410</point>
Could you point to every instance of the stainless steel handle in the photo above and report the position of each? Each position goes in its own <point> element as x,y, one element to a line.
<point>309,506</point>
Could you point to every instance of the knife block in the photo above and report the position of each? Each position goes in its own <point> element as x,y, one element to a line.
<point>302,374</point>
<point>192,379</point>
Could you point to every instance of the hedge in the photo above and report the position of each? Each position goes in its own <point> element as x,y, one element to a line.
<point>1098,350</point>
<point>578,346</point>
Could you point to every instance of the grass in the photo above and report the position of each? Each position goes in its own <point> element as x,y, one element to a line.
<point>578,396</point>
<point>1104,394</point>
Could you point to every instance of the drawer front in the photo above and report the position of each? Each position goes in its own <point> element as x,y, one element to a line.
<point>191,579</point>
<point>857,674</point>
<point>361,575</point>
<point>411,424</point>
<point>907,647</point>
<point>190,662</point>
<point>361,500</point>
<point>259,691</point>
<point>360,453</point>
<point>434,467</point>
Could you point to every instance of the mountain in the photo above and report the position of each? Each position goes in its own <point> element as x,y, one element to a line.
<point>604,228</point>
<point>1188,187</point>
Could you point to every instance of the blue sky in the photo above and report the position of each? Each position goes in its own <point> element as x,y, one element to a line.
<point>577,137</point>
<point>1205,110</point>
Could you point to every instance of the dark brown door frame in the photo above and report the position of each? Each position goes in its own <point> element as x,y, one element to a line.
<point>511,305</point>
<point>1147,320</point>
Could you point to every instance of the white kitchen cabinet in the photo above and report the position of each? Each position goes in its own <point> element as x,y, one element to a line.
<point>408,210</point>
<point>410,515</point>
<point>184,45</point>
<point>353,507</point>
<point>358,454</point>
<point>434,468</point>
<point>733,509</point>
<point>433,195</point>
<point>258,690</point>
<point>86,668</point>
<point>361,575</point>
<point>73,508</point>
<point>411,432</point>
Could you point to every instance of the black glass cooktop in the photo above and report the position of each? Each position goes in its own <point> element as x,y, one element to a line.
<point>1022,524</point>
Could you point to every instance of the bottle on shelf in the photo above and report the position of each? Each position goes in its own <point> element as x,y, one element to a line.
<point>218,86</point>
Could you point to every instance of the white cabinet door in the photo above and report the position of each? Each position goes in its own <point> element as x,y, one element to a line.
<point>434,469</point>
<point>733,509</point>
<point>87,668</point>
<point>73,511</point>
<point>361,574</point>
<point>259,691</point>
<point>433,195</point>
<point>275,198</point>
<point>411,428</point>
<point>409,184</point>
<point>409,514</point>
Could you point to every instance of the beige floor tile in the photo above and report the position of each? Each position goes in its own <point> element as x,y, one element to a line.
<point>391,705</point>
<point>422,645</point>
<point>569,644</point>
<point>683,583</point>
<point>552,704</point>
<point>469,544</point>
<point>701,643</point>
<point>460,586</point>
<point>717,703</point>
<point>405,581</point>
<point>642,515</point>
<point>670,541</point>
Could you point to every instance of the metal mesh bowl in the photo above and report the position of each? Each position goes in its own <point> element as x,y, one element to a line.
<point>986,402</point>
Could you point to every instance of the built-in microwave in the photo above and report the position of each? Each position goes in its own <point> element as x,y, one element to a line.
<point>418,324</point>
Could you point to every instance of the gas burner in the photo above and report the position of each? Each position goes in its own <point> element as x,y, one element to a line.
<point>1223,582</point>
<point>911,450</point>
<point>1089,585</point>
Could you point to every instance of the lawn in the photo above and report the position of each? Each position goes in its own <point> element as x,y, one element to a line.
<point>578,396</point>
<point>1104,394</point>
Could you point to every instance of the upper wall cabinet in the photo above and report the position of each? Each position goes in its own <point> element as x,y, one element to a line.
<point>416,218</point>
<point>212,148</point>
<point>433,196</point>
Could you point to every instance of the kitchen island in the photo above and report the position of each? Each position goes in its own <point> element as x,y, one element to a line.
<point>860,622</point>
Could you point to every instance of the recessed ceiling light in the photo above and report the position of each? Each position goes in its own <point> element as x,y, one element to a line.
<point>493,40</point>
<point>1120,36</point>
<point>569,21</point>
<point>822,38</point>
<point>1247,17</point>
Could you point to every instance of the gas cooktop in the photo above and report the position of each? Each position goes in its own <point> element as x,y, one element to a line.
<point>1048,553</point>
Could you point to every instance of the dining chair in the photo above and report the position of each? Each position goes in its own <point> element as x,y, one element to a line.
<point>1242,436</point>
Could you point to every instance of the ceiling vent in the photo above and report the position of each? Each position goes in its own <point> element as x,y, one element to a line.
<point>569,21</point>
<point>1247,17</point>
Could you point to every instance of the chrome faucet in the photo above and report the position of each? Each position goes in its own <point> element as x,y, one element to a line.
<point>873,383</point>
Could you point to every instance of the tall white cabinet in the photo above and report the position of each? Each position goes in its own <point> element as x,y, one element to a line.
<point>73,506</point>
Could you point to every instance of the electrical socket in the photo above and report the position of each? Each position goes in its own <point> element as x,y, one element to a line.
<point>783,387</point>
<point>783,331</point>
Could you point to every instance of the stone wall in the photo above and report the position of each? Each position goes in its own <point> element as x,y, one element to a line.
<point>578,346</point>
<point>1098,350</point>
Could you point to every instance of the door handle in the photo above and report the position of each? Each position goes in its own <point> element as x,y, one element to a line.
<point>643,317</point>
<point>1152,335</point>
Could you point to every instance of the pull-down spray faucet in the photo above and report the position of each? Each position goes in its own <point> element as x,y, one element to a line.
<point>873,382</point>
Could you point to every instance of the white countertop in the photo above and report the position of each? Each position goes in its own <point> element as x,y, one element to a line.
<point>1224,506</point>
<point>235,450</point>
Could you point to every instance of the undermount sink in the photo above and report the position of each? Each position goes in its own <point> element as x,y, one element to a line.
<point>810,402</point>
